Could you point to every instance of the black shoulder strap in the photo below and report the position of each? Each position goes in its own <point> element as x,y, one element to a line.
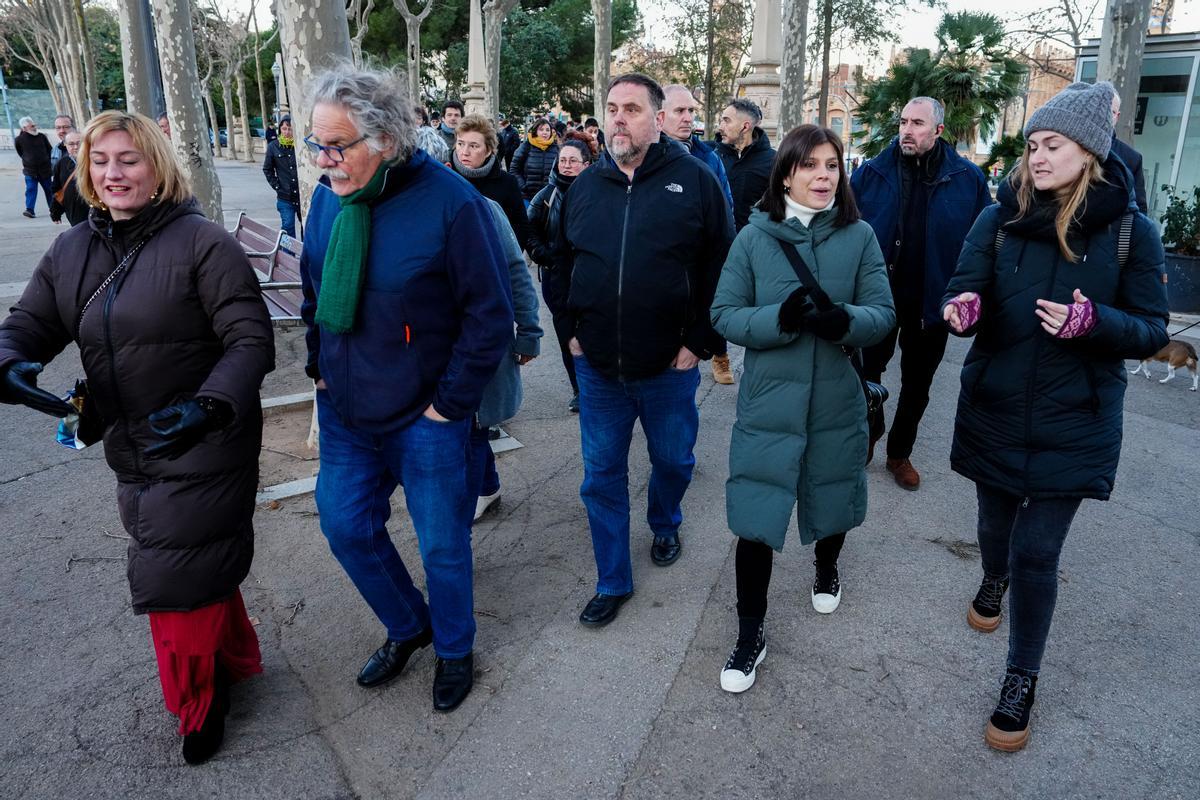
<point>820,299</point>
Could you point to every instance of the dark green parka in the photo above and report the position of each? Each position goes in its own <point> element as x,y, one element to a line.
<point>800,439</point>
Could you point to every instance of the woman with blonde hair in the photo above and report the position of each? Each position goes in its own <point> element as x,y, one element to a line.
<point>1058,283</point>
<point>174,340</point>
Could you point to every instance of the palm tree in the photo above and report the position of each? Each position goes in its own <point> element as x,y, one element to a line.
<point>971,73</point>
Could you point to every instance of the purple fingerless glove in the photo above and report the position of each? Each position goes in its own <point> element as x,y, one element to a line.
<point>1081,318</point>
<point>968,311</point>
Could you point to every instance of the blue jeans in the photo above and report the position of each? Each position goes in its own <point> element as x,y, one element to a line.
<point>359,472</point>
<point>1023,541</point>
<point>483,478</point>
<point>31,187</point>
<point>287,217</point>
<point>666,406</point>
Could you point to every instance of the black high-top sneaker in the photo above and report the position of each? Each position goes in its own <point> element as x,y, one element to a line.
<point>984,612</point>
<point>827,588</point>
<point>1008,729</point>
<point>751,648</point>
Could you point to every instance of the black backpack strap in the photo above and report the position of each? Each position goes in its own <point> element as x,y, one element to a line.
<point>820,299</point>
<point>1124,238</point>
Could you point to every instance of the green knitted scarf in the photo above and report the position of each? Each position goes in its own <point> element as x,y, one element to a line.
<point>346,256</point>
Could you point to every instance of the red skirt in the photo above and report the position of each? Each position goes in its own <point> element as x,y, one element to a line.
<point>187,645</point>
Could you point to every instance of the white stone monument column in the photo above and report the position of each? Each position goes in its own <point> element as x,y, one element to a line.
<point>761,86</point>
<point>475,99</point>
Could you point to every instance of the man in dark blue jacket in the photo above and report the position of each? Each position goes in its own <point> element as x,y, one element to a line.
<point>1131,158</point>
<point>679,122</point>
<point>408,310</point>
<point>921,198</point>
<point>650,229</point>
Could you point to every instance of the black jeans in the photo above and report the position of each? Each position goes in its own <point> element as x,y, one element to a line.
<point>1022,538</point>
<point>753,568</point>
<point>921,350</point>
<point>555,287</point>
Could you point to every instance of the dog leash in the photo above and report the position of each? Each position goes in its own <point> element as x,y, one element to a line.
<point>1188,328</point>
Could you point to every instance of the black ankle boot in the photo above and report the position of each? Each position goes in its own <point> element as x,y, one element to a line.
<point>1008,728</point>
<point>984,612</point>
<point>199,746</point>
<point>751,648</point>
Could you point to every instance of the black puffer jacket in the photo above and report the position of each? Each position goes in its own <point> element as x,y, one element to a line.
<point>34,151</point>
<point>1040,416</point>
<point>748,173</point>
<point>279,167</point>
<point>648,254</point>
<point>548,243</point>
<point>532,165</point>
<point>185,318</point>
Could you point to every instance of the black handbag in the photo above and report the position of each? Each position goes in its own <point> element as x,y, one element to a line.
<point>874,393</point>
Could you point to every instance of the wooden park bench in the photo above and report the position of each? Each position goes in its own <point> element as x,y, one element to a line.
<point>275,257</point>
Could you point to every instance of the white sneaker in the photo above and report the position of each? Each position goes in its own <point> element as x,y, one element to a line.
<point>742,666</point>
<point>484,503</point>
<point>827,590</point>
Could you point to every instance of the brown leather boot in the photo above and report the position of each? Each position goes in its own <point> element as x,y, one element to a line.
<point>722,374</point>
<point>905,473</point>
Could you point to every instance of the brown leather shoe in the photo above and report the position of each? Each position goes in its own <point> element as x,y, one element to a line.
<point>722,374</point>
<point>905,473</point>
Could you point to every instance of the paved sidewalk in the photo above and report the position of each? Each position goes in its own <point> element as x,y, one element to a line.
<point>886,698</point>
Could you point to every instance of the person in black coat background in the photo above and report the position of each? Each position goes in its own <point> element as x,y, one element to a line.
<point>747,156</point>
<point>1131,158</point>
<point>33,148</point>
<point>549,248</point>
<point>1055,307</point>
<point>534,160</point>
<point>66,199</point>
<point>279,167</point>
<point>510,140</point>
<point>476,157</point>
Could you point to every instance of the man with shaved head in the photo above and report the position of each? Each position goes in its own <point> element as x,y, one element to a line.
<point>679,122</point>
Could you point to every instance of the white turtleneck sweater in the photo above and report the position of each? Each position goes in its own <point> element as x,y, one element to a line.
<point>804,213</point>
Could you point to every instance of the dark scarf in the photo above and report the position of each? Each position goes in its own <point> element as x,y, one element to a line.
<point>1106,202</point>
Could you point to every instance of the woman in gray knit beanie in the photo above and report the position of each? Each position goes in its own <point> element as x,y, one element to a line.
<point>1058,282</point>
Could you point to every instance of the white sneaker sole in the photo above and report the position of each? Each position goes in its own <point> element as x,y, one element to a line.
<point>826,603</point>
<point>735,681</point>
<point>484,503</point>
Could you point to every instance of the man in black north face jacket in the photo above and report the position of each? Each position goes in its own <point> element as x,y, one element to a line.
<point>650,228</point>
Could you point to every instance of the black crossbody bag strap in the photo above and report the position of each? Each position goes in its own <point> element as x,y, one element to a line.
<point>874,393</point>
<point>820,299</point>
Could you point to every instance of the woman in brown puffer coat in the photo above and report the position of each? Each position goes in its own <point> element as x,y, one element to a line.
<point>175,341</point>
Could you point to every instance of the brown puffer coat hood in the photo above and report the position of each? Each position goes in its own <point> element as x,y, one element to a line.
<point>185,318</point>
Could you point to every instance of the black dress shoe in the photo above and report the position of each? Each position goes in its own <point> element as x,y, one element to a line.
<point>388,661</point>
<point>199,746</point>
<point>452,681</point>
<point>665,550</point>
<point>602,609</point>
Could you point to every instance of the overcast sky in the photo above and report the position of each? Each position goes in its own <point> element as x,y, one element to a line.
<point>916,26</point>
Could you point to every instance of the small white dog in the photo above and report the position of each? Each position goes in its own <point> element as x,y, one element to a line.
<point>1176,354</point>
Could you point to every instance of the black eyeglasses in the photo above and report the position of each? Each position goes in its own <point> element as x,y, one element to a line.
<point>335,153</point>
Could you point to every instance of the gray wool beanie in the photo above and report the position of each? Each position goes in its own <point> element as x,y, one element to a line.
<point>1083,113</point>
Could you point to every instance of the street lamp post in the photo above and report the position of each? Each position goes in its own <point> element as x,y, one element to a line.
<point>276,72</point>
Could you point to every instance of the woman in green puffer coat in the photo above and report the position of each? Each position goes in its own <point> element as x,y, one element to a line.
<point>800,439</point>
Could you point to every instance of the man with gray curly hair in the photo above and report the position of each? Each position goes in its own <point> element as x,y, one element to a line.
<point>409,313</point>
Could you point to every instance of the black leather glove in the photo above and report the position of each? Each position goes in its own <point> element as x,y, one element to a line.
<point>18,385</point>
<point>182,425</point>
<point>793,310</point>
<point>830,325</point>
